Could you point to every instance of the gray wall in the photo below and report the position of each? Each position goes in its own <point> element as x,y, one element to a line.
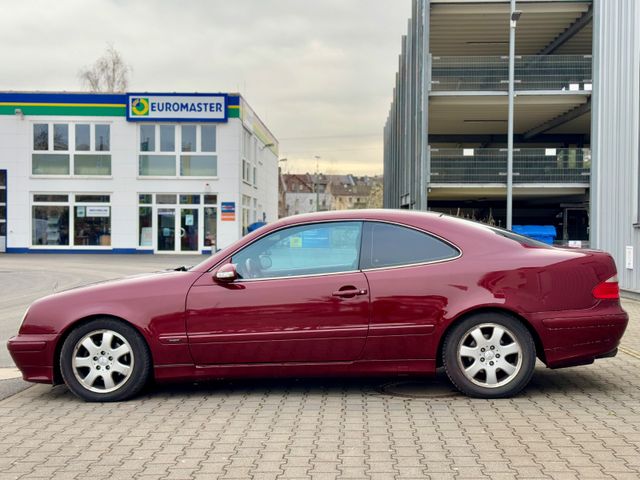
<point>615,130</point>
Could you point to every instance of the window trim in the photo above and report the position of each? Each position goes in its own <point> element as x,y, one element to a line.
<point>416,264</point>
<point>309,275</point>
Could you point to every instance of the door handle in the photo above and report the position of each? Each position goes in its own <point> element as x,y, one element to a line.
<point>349,292</point>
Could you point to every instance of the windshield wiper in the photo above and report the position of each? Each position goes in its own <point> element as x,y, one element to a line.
<point>181,269</point>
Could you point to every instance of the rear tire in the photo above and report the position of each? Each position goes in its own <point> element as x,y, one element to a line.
<point>105,360</point>
<point>489,355</point>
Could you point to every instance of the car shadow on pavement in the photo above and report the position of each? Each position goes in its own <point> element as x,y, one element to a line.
<point>545,382</point>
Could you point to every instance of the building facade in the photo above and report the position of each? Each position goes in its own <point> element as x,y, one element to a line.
<point>575,134</point>
<point>132,173</point>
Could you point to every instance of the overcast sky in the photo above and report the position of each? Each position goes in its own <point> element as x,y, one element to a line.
<point>319,73</point>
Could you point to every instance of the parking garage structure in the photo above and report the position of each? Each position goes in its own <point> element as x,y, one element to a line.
<point>446,134</point>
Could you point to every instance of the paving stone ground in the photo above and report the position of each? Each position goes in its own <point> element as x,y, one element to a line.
<point>576,423</point>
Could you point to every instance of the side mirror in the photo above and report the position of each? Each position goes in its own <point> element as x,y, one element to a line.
<point>226,273</point>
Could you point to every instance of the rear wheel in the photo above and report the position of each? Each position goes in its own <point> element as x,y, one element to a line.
<point>105,360</point>
<point>489,355</point>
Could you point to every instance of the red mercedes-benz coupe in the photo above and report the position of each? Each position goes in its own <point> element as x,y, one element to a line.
<point>375,292</point>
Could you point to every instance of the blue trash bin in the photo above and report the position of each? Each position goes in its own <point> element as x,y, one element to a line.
<point>543,233</point>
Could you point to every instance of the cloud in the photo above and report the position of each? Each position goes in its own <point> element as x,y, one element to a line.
<point>319,70</point>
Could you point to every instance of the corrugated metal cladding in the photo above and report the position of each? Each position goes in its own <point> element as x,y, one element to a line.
<point>615,196</point>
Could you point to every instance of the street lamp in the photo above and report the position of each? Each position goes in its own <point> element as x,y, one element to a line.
<point>514,16</point>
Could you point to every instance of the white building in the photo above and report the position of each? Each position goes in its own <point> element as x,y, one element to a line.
<point>132,173</point>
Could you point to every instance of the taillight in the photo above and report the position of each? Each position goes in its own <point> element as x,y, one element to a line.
<point>607,290</point>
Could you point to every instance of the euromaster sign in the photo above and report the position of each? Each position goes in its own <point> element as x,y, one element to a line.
<point>199,107</point>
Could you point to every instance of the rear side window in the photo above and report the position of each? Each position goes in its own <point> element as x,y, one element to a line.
<point>388,245</point>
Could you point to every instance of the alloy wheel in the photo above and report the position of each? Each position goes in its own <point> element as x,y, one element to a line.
<point>102,361</point>
<point>489,355</point>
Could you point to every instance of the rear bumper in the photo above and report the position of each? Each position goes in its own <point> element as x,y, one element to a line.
<point>33,355</point>
<point>578,338</point>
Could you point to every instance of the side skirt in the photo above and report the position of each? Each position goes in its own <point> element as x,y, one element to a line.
<point>273,370</point>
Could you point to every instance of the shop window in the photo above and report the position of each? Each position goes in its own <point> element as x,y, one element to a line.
<point>166,199</point>
<point>190,199</point>
<point>145,226</point>
<point>211,199</point>
<point>89,198</point>
<point>89,226</point>
<point>92,225</point>
<point>145,199</point>
<point>47,157</point>
<point>50,225</point>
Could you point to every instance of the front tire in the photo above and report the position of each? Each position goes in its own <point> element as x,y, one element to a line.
<point>105,360</point>
<point>489,355</point>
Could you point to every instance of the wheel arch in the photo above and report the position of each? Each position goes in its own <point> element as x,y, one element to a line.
<point>57,374</point>
<point>503,311</point>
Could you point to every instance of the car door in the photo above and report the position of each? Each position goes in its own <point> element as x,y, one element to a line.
<point>300,297</point>
<point>408,272</point>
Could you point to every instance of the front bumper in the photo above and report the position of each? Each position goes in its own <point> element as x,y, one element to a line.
<point>578,338</point>
<point>33,355</point>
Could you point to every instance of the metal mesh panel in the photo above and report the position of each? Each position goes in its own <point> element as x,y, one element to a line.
<point>532,72</point>
<point>530,165</point>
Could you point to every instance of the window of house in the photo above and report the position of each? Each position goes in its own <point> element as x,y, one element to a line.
<point>387,245</point>
<point>79,220</point>
<point>66,149</point>
<point>169,151</point>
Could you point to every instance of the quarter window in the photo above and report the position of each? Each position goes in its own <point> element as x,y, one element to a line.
<point>303,250</point>
<point>388,245</point>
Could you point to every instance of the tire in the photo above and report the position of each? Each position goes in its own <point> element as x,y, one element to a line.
<point>97,371</point>
<point>489,355</point>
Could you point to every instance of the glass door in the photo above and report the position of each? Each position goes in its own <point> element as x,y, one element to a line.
<point>188,230</point>
<point>166,229</point>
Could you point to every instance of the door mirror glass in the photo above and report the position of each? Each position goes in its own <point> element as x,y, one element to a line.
<point>226,273</point>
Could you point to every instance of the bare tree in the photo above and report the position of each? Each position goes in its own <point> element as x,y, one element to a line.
<point>109,73</point>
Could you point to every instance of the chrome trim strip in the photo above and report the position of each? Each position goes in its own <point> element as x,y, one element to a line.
<point>311,275</point>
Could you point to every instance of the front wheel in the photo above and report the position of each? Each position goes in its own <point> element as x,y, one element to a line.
<point>489,355</point>
<point>105,360</point>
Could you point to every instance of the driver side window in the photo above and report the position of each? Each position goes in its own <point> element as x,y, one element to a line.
<point>303,250</point>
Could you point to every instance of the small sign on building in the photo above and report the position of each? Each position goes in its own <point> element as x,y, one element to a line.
<point>228,211</point>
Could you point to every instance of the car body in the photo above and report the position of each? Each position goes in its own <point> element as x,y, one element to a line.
<point>342,293</point>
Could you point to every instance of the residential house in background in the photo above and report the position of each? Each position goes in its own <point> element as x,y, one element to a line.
<point>301,192</point>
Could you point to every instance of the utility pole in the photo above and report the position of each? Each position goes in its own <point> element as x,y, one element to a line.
<point>513,19</point>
